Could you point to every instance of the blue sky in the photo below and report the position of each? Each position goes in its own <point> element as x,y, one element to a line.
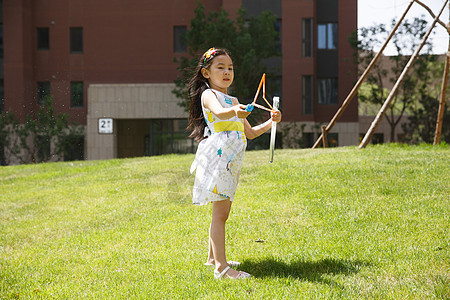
<point>372,12</point>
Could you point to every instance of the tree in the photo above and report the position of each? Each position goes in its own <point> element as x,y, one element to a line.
<point>250,43</point>
<point>422,122</point>
<point>422,116</point>
<point>406,39</point>
<point>41,138</point>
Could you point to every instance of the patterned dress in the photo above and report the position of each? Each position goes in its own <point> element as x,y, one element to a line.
<point>219,157</point>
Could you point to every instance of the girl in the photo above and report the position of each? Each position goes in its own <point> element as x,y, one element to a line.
<point>219,122</point>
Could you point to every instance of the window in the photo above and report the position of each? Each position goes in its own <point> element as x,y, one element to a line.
<point>1,39</point>
<point>332,36</point>
<point>307,140</point>
<point>333,139</point>
<point>74,148</point>
<point>274,85</point>
<point>278,31</point>
<point>43,149</point>
<point>327,36</point>
<point>43,90</point>
<point>76,94</point>
<point>378,138</point>
<point>2,95</point>
<point>2,154</point>
<point>307,94</point>
<point>43,38</point>
<point>76,40</point>
<point>307,38</point>
<point>321,36</point>
<point>263,142</point>
<point>179,39</point>
<point>327,91</point>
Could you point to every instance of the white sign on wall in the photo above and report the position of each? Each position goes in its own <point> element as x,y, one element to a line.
<point>105,125</point>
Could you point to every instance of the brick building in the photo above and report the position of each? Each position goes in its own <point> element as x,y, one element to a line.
<point>109,65</point>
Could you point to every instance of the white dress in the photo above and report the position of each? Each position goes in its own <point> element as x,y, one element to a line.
<point>219,157</point>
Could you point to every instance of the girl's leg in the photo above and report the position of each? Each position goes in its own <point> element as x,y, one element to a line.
<point>210,259</point>
<point>220,213</point>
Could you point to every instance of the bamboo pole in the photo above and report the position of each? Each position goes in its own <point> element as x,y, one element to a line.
<point>440,116</point>
<point>400,80</point>
<point>431,13</point>
<point>363,77</point>
<point>324,136</point>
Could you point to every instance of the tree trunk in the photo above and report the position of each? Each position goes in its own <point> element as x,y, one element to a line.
<point>393,133</point>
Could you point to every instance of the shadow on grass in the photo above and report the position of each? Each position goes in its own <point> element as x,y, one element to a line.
<point>313,271</point>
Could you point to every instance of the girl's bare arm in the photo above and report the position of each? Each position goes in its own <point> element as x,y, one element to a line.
<point>254,132</point>
<point>210,102</point>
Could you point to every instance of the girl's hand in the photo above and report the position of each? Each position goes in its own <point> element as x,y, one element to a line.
<point>276,116</point>
<point>241,113</point>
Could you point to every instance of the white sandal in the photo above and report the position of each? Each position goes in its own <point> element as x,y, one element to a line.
<point>241,275</point>
<point>231,263</point>
<point>219,275</point>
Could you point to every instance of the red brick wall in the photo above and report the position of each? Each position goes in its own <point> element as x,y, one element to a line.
<point>295,66</point>
<point>347,68</point>
<point>132,42</point>
<point>18,58</point>
<point>123,42</point>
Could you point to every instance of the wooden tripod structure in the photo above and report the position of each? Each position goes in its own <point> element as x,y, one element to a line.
<point>380,115</point>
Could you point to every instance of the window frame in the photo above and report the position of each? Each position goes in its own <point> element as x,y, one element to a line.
<point>43,89</point>
<point>179,39</point>
<point>168,136</point>
<point>333,139</point>
<point>43,38</point>
<point>307,98</point>
<point>76,40</point>
<point>2,95</point>
<point>307,37</point>
<point>331,97</point>
<point>327,36</point>
<point>74,104</point>
<point>278,30</point>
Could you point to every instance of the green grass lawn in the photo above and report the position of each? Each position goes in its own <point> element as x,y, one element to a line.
<point>336,223</point>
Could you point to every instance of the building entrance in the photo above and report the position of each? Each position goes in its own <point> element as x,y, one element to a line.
<point>148,137</point>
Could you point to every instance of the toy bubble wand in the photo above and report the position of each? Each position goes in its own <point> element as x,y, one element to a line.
<point>276,101</point>
<point>254,104</point>
<point>273,132</point>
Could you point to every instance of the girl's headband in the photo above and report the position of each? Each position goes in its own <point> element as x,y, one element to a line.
<point>208,55</point>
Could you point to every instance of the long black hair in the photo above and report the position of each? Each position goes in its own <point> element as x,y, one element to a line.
<point>197,85</point>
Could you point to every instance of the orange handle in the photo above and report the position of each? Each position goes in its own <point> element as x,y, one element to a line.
<point>263,80</point>
<point>263,83</point>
